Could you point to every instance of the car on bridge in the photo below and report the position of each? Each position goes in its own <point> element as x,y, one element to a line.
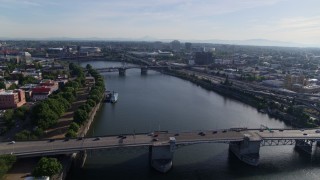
<point>97,139</point>
<point>120,136</point>
<point>201,133</point>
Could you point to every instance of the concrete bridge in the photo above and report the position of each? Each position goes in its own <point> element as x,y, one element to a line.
<point>244,143</point>
<point>122,69</point>
<point>144,68</point>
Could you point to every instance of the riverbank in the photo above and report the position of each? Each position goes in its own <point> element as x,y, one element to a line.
<point>85,128</point>
<point>85,98</point>
<point>78,159</point>
<point>242,96</point>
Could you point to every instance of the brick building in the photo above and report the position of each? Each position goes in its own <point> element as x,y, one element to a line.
<point>41,93</point>
<point>12,99</point>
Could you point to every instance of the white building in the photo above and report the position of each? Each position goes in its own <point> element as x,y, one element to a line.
<point>25,57</point>
<point>90,50</point>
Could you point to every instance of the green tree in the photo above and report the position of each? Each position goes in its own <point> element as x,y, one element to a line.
<point>100,83</point>
<point>27,80</point>
<point>91,103</point>
<point>2,85</point>
<point>96,92</point>
<point>80,116</point>
<point>71,134</point>
<point>6,162</point>
<point>8,117</point>
<point>47,167</point>
<point>47,120</point>
<point>76,70</point>
<point>72,66</point>
<point>85,107</point>
<point>70,89</point>
<point>11,65</point>
<point>98,88</point>
<point>55,106</point>
<point>88,66</point>
<point>48,76</point>
<point>21,112</point>
<point>43,116</point>
<point>68,96</point>
<point>72,84</point>
<point>81,81</point>
<point>63,101</point>
<point>95,98</point>
<point>74,126</point>
<point>38,132</point>
<point>13,87</point>
<point>24,135</point>
<point>38,66</point>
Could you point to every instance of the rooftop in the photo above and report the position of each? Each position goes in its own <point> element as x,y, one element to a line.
<point>8,92</point>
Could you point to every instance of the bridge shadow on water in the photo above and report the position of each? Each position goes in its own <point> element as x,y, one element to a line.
<point>134,164</point>
<point>294,164</point>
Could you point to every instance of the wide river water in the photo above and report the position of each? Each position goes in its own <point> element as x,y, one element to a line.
<point>160,102</point>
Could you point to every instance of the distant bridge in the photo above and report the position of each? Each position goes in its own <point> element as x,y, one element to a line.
<point>244,143</point>
<point>144,68</point>
<point>122,69</point>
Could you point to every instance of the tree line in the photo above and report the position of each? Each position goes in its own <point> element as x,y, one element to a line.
<point>6,162</point>
<point>46,113</point>
<point>81,115</point>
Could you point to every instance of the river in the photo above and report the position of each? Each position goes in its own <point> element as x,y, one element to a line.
<point>161,102</point>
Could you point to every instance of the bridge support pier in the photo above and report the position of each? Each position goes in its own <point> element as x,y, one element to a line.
<point>161,157</point>
<point>122,71</point>
<point>80,159</point>
<point>247,151</point>
<point>144,70</point>
<point>304,145</point>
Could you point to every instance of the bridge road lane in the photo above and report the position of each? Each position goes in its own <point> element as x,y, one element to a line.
<point>288,134</point>
<point>60,146</point>
<point>74,145</point>
<point>207,136</point>
<point>34,146</point>
<point>8,147</point>
<point>21,147</point>
<point>115,141</point>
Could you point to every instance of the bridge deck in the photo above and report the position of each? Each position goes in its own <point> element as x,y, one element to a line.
<point>287,134</point>
<point>45,147</point>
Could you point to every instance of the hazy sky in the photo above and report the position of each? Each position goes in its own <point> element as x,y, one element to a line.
<point>284,20</point>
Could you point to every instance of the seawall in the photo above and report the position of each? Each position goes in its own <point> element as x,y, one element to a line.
<point>77,160</point>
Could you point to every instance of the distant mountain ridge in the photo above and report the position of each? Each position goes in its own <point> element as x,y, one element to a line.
<point>250,42</point>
